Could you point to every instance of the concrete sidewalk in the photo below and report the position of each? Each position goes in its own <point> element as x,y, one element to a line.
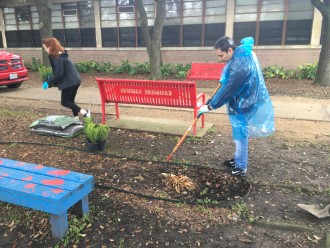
<point>284,107</point>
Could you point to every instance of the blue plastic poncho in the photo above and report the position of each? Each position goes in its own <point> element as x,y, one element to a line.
<point>243,89</point>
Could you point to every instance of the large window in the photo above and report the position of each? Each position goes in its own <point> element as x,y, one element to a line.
<point>12,34</point>
<point>73,24</point>
<point>78,24</point>
<point>299,22</point>
<point>274,22</point>
<point>215,19</point>
<point>172,24</point>
<point>271,22</point>
<point>187,23</point>
<point>245,22</point>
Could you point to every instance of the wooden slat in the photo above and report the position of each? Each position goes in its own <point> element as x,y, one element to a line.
<point>44,170</point>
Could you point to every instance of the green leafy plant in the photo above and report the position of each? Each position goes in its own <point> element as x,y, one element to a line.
<point>274,72</point>
<point>168,69</point>
<point>140,68</point>
<point>181,70</point>
<point>307,71</point>
<point>95,132</point>
<point>93,66</point>
<point>75,231</point>
<point>125,67</point>
<point>45,73</point>
<point>36,64</point>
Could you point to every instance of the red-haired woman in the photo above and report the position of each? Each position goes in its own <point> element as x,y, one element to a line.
<point>65,76</point>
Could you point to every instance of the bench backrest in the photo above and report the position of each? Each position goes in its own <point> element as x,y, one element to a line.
<point>205,71</point>
<point>148,92</point>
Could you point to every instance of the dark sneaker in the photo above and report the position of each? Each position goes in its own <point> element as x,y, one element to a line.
<point>230,163</point>
<point>237,172</point>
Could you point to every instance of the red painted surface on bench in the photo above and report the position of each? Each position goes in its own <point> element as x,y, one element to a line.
<point>205,71</point>
<point>181,94</point>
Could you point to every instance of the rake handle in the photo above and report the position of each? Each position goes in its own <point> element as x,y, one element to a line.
<point>191,126</point>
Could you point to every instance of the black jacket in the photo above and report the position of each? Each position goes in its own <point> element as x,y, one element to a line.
<point>65,73</point>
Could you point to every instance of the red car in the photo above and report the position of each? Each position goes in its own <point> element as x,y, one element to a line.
<point>12,70</point>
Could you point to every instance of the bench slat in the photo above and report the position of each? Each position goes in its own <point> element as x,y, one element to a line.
<point>33,191</point>
<point>44,170</point>
<point>38,179</point>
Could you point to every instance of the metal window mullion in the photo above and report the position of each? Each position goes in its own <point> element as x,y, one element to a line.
<point>286,10</point>
<point>203,21</point>
<point>258,22</point>
<point>17,30</point>
<point>78,18</point>
<point>117,19</point>
<point>181,23</point>
<point>63,22</point>
<point>136,24</point>
<point>31,25</point>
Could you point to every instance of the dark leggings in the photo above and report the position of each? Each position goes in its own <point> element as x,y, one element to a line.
<point>67,99</point>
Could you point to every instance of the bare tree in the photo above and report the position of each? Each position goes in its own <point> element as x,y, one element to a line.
<point>153,40</point>
<point>323,70</point>
<point>44,8</point>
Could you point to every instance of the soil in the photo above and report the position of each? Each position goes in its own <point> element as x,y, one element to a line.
<point>140,200</point>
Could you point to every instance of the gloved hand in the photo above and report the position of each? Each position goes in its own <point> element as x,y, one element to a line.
<point>45,85</point>
<point>203,109</point>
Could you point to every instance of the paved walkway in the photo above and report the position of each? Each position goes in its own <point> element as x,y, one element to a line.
<point>284,107</point>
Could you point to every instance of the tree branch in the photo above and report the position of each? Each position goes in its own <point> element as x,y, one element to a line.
<point>322,7</point>
<point>144,22</point>
<point>160,16</point>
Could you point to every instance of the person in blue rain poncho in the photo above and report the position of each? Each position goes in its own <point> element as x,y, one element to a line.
<point>243,89</point>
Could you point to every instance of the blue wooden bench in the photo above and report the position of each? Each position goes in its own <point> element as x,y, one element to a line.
<point>46,189</point>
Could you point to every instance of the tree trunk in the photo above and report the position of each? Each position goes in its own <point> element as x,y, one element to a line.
<point>323,70</point>
<point>44,8</point>
<point>155,61</point>
<point>153,42</point>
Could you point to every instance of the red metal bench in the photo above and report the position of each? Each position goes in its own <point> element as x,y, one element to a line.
<point>205,71</point>
<point>181,94</point>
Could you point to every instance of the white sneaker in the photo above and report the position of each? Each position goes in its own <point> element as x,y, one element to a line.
<point>88,113</point>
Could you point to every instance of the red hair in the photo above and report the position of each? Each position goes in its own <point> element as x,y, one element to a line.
<point>54,46</point>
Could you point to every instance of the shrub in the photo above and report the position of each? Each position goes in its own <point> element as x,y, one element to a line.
<point>45,73</point>
<point>140,68</point>
<point>274,72</point>
<point>125,67</point>
<point>168,69</point>
<point>93,66</point>
<point>307,71</point>
<point>36,64</point>
<point>95,132</point>
<point>181,70</point>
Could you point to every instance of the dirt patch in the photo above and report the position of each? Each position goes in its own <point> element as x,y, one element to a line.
<point>287,168</point>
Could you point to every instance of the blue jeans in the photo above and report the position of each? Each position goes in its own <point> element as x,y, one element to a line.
<point>242,153</point>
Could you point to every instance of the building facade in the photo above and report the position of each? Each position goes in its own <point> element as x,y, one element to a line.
<point>286,32</point>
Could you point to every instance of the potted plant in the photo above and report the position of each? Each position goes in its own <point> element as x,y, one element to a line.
<point>96,135</point>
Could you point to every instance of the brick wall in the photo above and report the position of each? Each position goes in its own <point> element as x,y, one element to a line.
<point>290,58</point>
